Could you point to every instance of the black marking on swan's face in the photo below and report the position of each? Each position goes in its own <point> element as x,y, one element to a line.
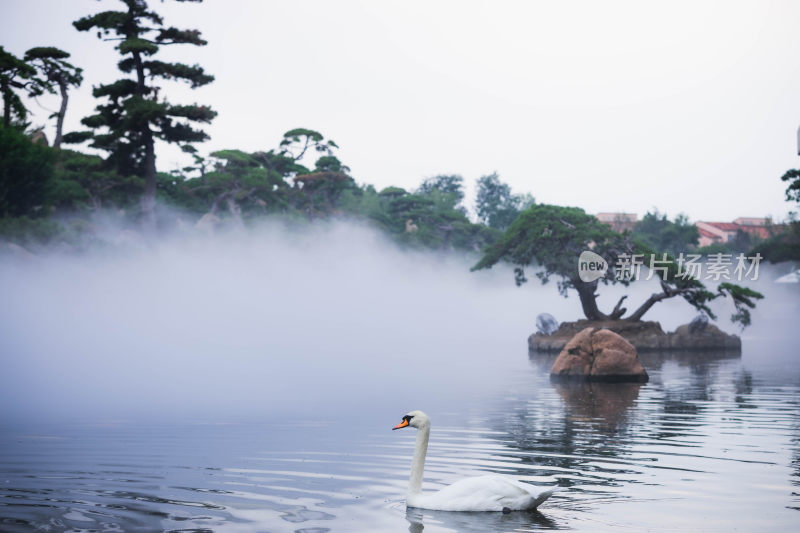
<point>405,422</point>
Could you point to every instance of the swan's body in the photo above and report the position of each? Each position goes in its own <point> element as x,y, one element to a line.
<point>483,493</point>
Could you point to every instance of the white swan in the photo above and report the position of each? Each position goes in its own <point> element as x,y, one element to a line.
<point>483,493</point>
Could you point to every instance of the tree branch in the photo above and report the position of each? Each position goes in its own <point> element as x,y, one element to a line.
<point>618,310</point>
<point>668,292</point>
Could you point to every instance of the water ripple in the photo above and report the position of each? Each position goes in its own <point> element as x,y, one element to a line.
<point>624,457</point>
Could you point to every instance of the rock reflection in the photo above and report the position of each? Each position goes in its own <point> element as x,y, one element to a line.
<point>699,362</point>
<point>605,405</point>
<point>590,436</point>
<point>479,522</point>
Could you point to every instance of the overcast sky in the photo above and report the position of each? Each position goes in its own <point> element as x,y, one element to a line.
<point>689,107</point>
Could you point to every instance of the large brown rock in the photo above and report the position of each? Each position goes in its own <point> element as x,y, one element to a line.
<point>598,355</point>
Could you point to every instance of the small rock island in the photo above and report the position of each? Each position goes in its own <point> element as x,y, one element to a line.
<point>699,334</point>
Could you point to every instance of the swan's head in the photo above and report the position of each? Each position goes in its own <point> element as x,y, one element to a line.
<point>414,419</point>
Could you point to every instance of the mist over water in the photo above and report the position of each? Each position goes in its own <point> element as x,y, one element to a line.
<point>276,320</point>
<point>273,320</point>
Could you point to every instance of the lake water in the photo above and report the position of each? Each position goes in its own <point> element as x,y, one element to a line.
<point>711,443</point>
<point>250,382</point>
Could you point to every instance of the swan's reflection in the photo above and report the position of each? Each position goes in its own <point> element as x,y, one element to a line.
<point>479,521</point>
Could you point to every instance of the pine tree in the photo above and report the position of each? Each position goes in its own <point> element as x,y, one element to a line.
<point>51,64</point>
<point>16,75</point>
<point>133,116</point>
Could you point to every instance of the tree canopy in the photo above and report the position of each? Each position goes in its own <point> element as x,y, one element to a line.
<point>56,72</point>
<point>550,239</point>
<point>792,179</point>
<point>495,205</point>
<point>449,187</point>
<point>657,232</point>
<point>16,76</point>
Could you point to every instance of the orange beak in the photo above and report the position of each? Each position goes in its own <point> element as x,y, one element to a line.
<point>402,424</point>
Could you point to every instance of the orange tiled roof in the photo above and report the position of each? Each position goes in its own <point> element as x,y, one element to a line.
<point>726,226</point>
<point>706,233</point>
<point>760,231</point>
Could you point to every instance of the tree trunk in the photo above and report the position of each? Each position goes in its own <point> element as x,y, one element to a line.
<point>62,86</point>
<point>586,292</point>
<point>235,210</point>
<point>6,105</point>
<point>149,194</point>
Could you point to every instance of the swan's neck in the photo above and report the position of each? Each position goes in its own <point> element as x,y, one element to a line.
<point>418,464</point>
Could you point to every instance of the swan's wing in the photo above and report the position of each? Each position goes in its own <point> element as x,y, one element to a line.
<point>483,493</point>
<point>539,497</point>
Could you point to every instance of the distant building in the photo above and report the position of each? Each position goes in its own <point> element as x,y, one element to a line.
<point>752,221</point>
<point>722,232</point>
<point>619,222</point>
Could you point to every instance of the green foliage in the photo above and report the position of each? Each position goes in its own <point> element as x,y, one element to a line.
<point>85,182</point>
<point>16,76</point>
<point>297,142</point>
<point>55,72</point>
<point>743,300</point>
<point>551,238</point>
<point>416,220</point>
<point>783,246</point>
<point>25,170</point>
<point>430,218</point>
<point>316,192</point>
<point>28,232</point>
<point>240,183</point>
<point>495,205</point>
<point>448,188</point>
<point>792,177</point>
<point>51,64</point>
<point>392,192</point>
<point>330,163</point>
<point>285,161</point>
<point>319,193</point>
<point>714,248</point>
<point>657,232</point>
<point>175,190</point>
<point>243,185</point>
